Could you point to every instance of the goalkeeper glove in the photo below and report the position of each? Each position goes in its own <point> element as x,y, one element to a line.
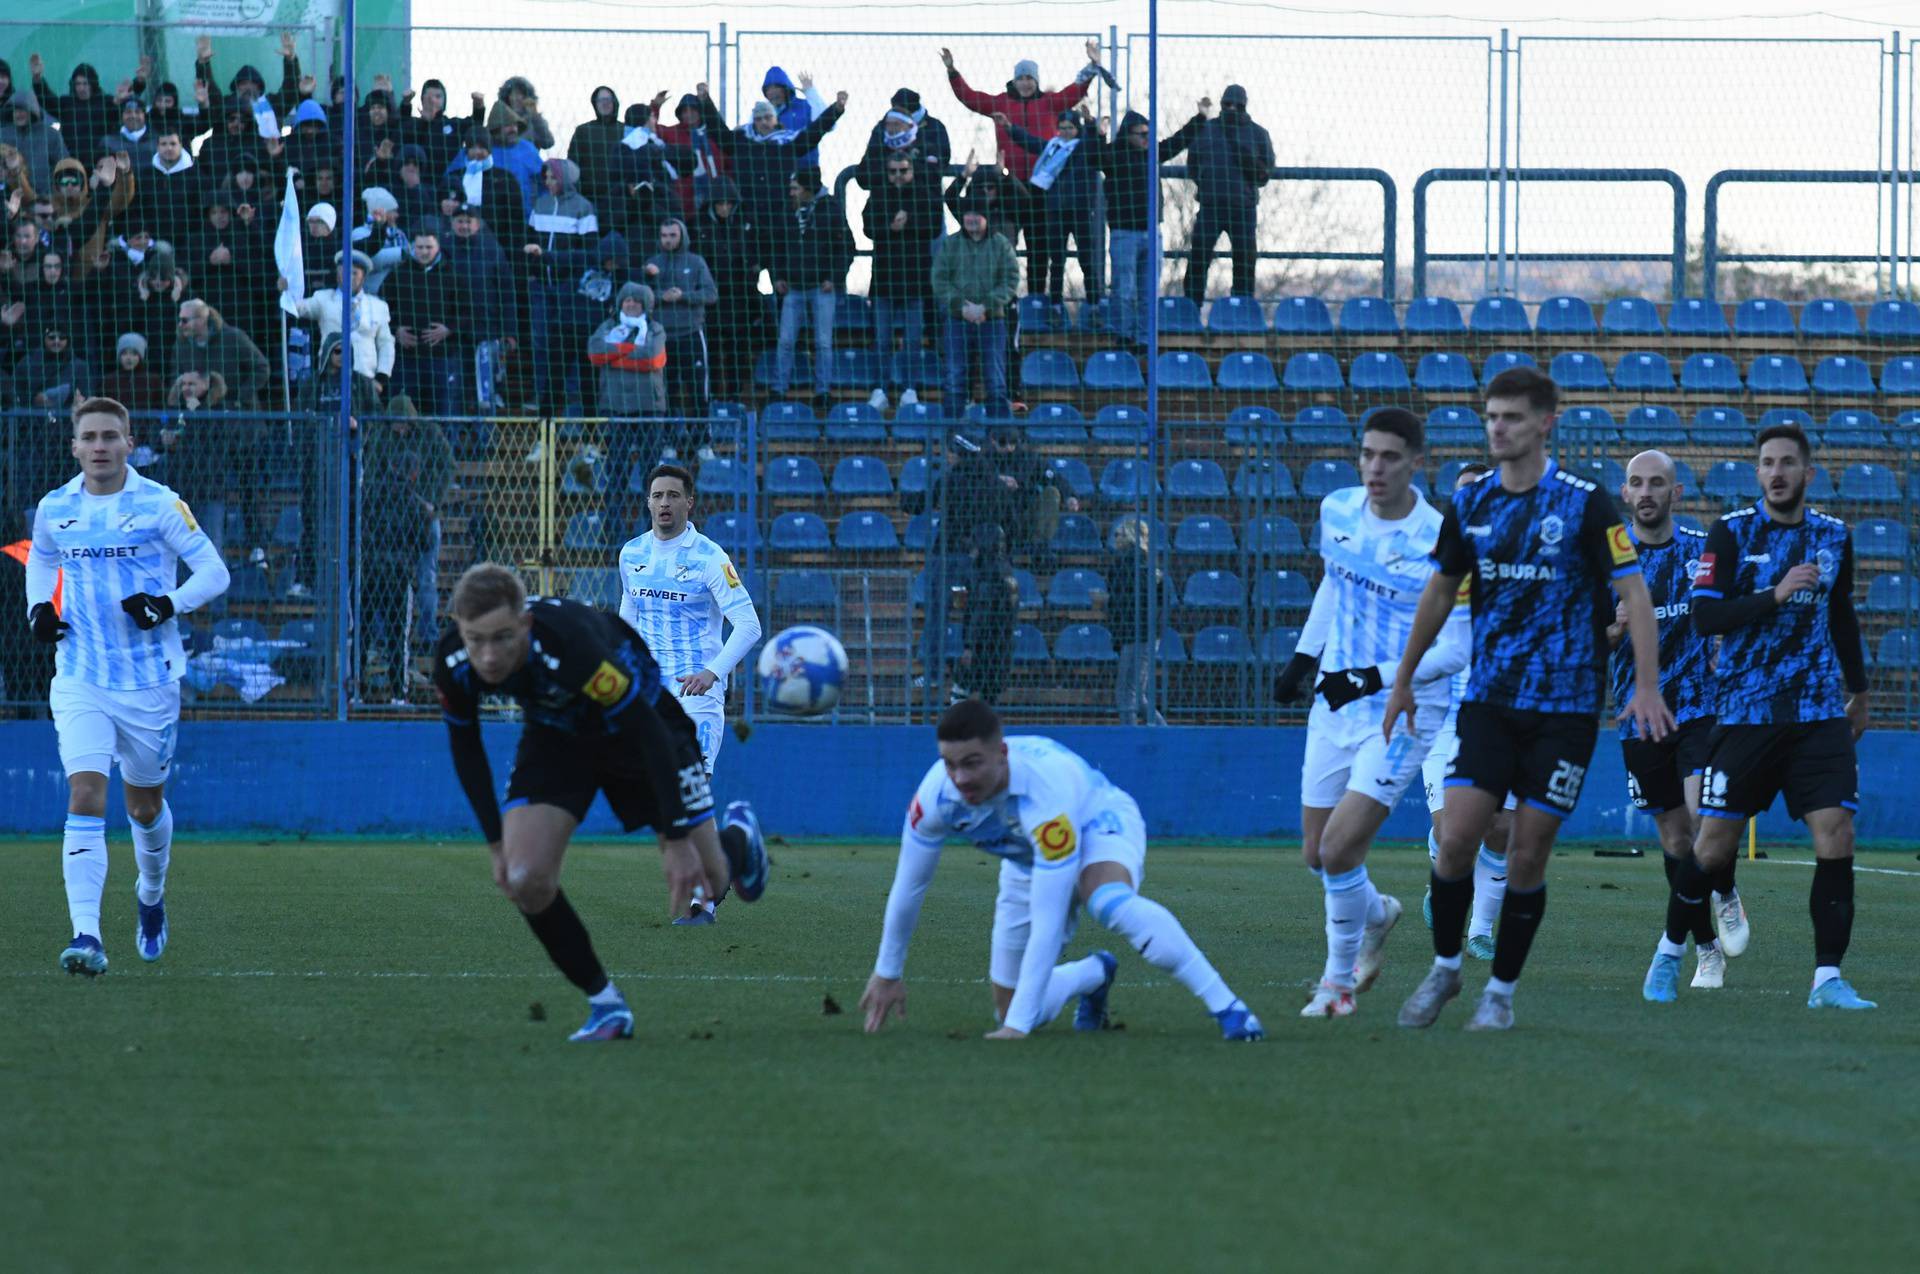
<point>1291,685</point>
<point>47,624</point>
<point>1341,688</point>
<point>147,610</point>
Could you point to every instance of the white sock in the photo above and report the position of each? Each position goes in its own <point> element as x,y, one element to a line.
<point>1158,937</point>
<point>83,862</point>
<point>1067,981</point>
<point>1668,947</point>
<point>152,849</point>
<point>1496,987</point>
<point>1825,973</point>
<point>1433,847</point>
<point>1346,899</point>
<point>1447,962</point>
<point>1489,890</point>
<point>609,994</point>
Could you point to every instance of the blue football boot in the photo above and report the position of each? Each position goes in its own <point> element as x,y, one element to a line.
<point>606,1022</point>
<point>1237,1022</point>
<point>150,936</point>
<point>1663,980</point>
<point>84,955</point>
<point>1091,1015</point>
<point>1834,993</point>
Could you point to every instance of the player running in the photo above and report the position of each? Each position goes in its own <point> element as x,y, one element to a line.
<point>1776,586</point>
<point>1377,541</point>
<point>1663,779</point>
<point>1541,545</point>
<point>596,721</point>
<point>109,543</point>
<point>1065,836</point>
<point>677,588</point>
<point>1490,864</point>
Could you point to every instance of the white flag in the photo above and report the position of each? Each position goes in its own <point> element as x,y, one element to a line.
<point>288,253</point>
<point>264,119</point>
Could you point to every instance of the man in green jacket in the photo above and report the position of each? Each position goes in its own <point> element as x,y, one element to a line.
<point>974,279</point>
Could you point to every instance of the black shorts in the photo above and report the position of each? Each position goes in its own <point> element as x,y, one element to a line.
<point>652,778</point>
<point>1657,773</point>
<point>1812,762</point>
<point>1539,757</point>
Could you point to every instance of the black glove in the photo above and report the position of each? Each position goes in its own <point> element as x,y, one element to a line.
<point>1341,688</point>
<point>147,610</point>
<point>47,624</point>
<point>1291,685</point>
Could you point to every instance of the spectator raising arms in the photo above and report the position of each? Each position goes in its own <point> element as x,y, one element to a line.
<point>437,133</point>
<point>518,108</point>
<point>1125,164</point>
<point>906,129</point>
<point>704,162</point>
<point>1228,160</point>
<point>1066,178</point>
<point>1023,103</point>
<point>764,155</point>
<point>794,110</point>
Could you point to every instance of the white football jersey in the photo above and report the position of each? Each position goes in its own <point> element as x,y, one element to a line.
<point>108,547</point>
<point>677,593</point>
<point>1053,798</point>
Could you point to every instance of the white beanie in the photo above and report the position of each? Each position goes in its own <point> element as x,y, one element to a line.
<point>380,199</point>
<point>324,212</point>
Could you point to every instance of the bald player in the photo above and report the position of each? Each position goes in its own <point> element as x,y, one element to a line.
<point>1663,778</point>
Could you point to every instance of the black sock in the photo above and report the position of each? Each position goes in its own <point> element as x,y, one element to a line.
<point>1723,878</point>
<point>733,843</point>
<point>568,946</point>
<point>1452,900</point>
<point>1687,902</point>
<point>1831,902</point>
<point>1520,913</point>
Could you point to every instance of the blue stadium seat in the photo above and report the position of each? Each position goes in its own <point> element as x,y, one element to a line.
<point>1222,644</point>
<point>923,529</point>
<point>1838,374</point>
<point>1092,317</point>
<point>1254,424</point>
<point>1127,481</point>
<point>1710,374</point>
<point>1901,376</point>
<point>1379,373</point>
<point>794,477</point>
<point>1777,374</point>
<point>798,533</point>
<point>233,630</point>
<point>1121,423</point>
<point>1196,480</point>
<point>1500,316</point>
<point>1443,373</point>
<point>733,531</point>
<point>917,476</point>
<point>1241,316</point>
<point>1908,420</point>
<point>1853,429</point>
<point>1256,480</point>
<point>1044,369</point>
<point>1084,644</point>
<point>1892,594</point>
<point>920,422</point>
<point>307,632</point>
<point>861,475</point>
<point>1784,416</point>
<point>1075,533</point>
<point>1652,426</point>
<point>1449,474</point>
<point>1604,471</point>
<point>1034,315</point>
<point>1053,434</point>
<point>1502,361</point>
<point>1726,420</point>
<point>1880,540</point>
<point>788,421</point>
<point>1271,535</point>
<point>1281,590</point>
<point>1696,316</point>
<point>1899,649</point>
<point>865,531</point>
<point>1643,373</point>
<point>1179,316</point>
<point>856,369</point>
<point>1213,590</point>
<point>1293,316</point>
<point>1203,535</point>
<point>1869,484</point>
<point>1320,478</point>
<point>852,314</point>
<point>1365,316</point>
<point>855,423</point>
<point>1433,316</point>
<point>288,528</point>
<point>1732,482</point>
<point>1683,474</point>
<point>1029,646</point>
<point>1455,427</point>
<point>586,530</point>
<point>1317,417</point>
<point>1580,372</point>
<point>1566,316</point>
<point>1585,419</point>
<point>1277,645</point>
<point>1170,649</point>
<point>1829,318</point>
<point>1632,316</point>
<point>1074,473</point>
<point>1112,371</point>
<point>804,590</point>
<point>1054,414</point>
<point>1819,484</point>
<point>1247,373</point>
<point>1894,321</point>
<point>1763,316</point>
<point>1181,371</point>
<point>1076,589</point>
<point>918,369</point>
<point>1313,372</point>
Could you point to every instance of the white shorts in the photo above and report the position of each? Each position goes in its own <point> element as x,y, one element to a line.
<point>1118,835</point>
<point>97,727</point>
<point>1433,771</point>
<point>709,714</point>
<point>1370,765</point>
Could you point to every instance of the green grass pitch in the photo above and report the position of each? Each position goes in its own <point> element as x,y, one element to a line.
<point>339,1066</point>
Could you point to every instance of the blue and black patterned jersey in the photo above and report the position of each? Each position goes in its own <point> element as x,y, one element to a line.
<point>1686,680</point>
<point>1784,666</point>
<point>1541,562</point>
<point>584,667</point>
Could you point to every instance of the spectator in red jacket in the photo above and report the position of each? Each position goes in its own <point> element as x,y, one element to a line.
<point>1024,103</point>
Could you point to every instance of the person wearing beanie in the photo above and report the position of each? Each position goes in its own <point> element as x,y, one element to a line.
<point>565,249</point>
<point>433,129</point>
<point>381,236</point>
<point>1066,177</point>
<point>810,251</point>
<point>1023,103</point>
<point>54,376</point>
<point>490,189</point>
<point>371,340</point>
<point>595,148</point>
<point>319,245</point>
<point>683,288</point>
<point>377,137</point>
<point>1229,159</point>
<point>629,353</point>
<point>687,135</point>
<point>764,156</point>
<point>411,188</point>
<point>135,135</point>
<point>132,382</point>
<point>518,107</point>
<point>974,281</point>
<point>907,129</point>
<point>727,240</point>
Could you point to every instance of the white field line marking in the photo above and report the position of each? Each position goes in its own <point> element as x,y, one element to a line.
<point>1808,862</point>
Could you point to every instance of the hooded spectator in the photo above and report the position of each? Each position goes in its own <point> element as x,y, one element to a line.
<point>763,156</point>
<point>518,106</point>
<point>810,250</point>
<point>629,350</point>
<point>231,264</point>
<point>683,288</point>
<point>595,148</point>
<point>150,305</point>
<point>248,87</point>
<point>492,191</point>
<point>705,161</point>
<point>565,254</point>
<point>1023,103</point>
<point>904,221</point>
<point>53,302</point>
<point>1228,160</point>
<point>906,129</point>
<point>729,243</point>
<point>135,134</point>
<point>166,112</point>
<point>974,281</point>
<point>132,382</point>
<point>372,336</point>
<point>170,192</point>
<point>993,607</point>
<point>436,132</point>
<point>429,306</point>
<point>85,112</point>
<point>411,188</point>
<point>647,163</point>
<point>312,144</point>
<point>246,189</point>
<point>208,343</point>
<point>1125,164</point>
<point>517,156</point>
<point>235,138</point>
<point>377,137</point>
<point>53,377</point>
<point>794,109</point>
<point>1007,203</point>
<point>406,467</point>
<point>27,131</point>
<point>1066,175</point>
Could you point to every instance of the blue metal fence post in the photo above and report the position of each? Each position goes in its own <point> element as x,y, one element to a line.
<point>1893,187</point>
<point>1500,270</point>
<point>343,504</point>
<point>1152,302</point>
<point>721,97</point>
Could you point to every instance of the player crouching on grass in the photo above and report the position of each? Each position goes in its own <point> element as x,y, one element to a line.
<point>598,719</point>
<point>109,543</point>
<point>1065,836</point>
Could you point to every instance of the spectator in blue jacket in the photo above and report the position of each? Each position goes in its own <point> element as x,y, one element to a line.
<point>1065,179</point>
<point>794,110</point>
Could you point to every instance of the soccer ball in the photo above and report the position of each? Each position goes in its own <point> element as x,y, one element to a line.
<point>802,669</point>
